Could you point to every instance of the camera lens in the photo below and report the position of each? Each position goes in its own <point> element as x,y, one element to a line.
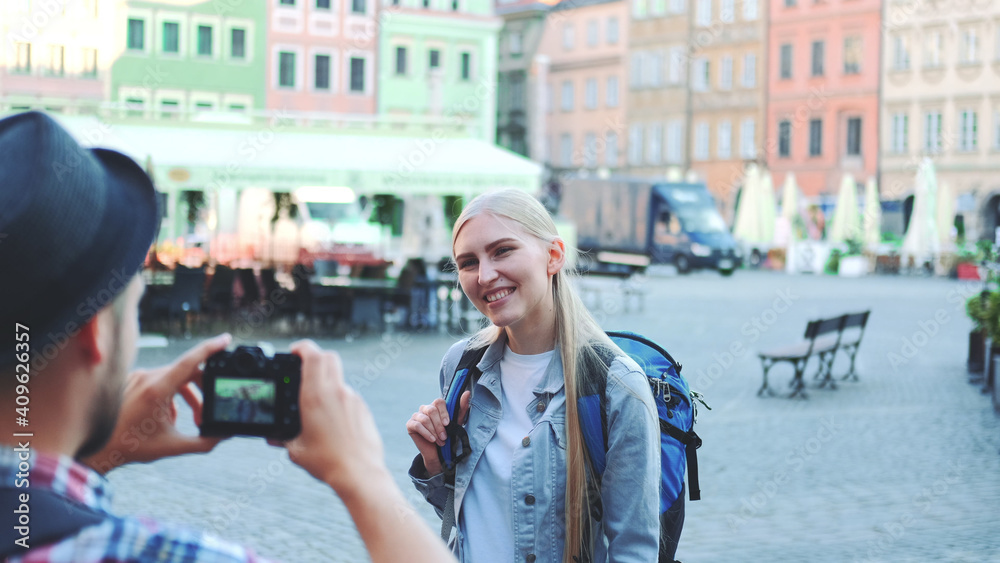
<point>248,361</point>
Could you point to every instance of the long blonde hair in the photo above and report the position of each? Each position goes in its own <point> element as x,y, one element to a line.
<point>577,335</point>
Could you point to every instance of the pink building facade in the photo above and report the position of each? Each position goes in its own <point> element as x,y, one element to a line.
<point>823,92</point>
<point>321,55</point>
<point>585,44</point>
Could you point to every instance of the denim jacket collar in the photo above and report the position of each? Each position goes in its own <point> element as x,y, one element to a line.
<point>551,384</point>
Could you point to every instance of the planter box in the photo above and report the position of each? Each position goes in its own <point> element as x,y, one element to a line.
<point>968,271</point>
<point>853,266</point>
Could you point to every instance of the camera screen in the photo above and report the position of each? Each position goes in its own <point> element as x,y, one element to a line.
<point>247,401</point>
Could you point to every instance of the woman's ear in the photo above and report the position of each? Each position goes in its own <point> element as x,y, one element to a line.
<point>557,256</point>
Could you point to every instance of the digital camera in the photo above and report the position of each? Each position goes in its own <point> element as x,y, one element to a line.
<point>247,393</point>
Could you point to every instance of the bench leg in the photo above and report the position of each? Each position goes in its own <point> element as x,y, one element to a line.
<point>852,352</point>
<point>826,369</point>
<point>798,386</point>
<point>767,367</point>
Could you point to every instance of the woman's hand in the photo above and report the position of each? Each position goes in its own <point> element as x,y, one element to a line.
<point>427,429</point>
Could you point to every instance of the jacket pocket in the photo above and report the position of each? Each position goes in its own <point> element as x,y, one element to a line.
<point>557,426</point>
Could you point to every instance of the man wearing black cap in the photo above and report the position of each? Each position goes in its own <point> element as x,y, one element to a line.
<point>75,226</point>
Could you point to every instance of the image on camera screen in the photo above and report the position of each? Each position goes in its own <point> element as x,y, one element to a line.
<point>247,401</point>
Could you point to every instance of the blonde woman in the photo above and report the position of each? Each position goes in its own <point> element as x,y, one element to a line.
<point>522,494</point>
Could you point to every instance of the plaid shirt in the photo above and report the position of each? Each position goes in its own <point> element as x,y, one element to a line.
<point>116,538</point>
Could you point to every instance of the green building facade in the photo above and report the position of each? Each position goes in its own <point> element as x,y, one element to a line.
<point>439,57</point>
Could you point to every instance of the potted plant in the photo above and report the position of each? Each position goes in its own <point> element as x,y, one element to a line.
<point>853,263</point>
<point>967,263</point>
<point>976,307</point>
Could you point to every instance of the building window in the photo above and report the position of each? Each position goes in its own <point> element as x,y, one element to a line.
<point>611,97</point>
<point>169,109</point>
<point>675,141</point>
<point>854,136</point>
<point>357,74</point>
<point>434,58</point>
<point>466,63</point>
<point>968,123</point>
<point>784,139</point>
<point>134,107</point>
<point>727,11</point>
<point>612,31</point>
<point>675,71</point>
<point>969,51</point>
<point>136,39</point>
<point>638,9</point>
<point>900,133</point>
<point>23,64</point>
<point>171,37</point>
<point>786,62</point>
<point>635,144</point>
<point>611,149</point>
<point>748,133</point>
<point>701,75</point>
<point>703,13</point>
<point>517,90</point>
<point>589,150</point>
<point>750,10</point>
<point>724,142</point>
<point>358,6</point>
<point>677,6</point>
<point>205,40</point>
<point>567,96</point>
<point>932,50</point>
<point>726,73</point>
<point>286,69</point>
<point>654,74</point>
<point>932,132</point>
<point>900,54</point>
<point>322,4</point>
<point>89,62</point>
<point>566,150</point>
<point>635,76</point>
<point>203,106</point>
<point>654,144</point>
<point>852,54</point>
<point>790,3</point>
<point>701,141</point>
<point>592,33</point>
<point>57,60</point>
<point>514,44</point>
<point>238,43</point>
<point>400,61</point>
<point>322,78</point>
<point>815,137</point>
<point>287,2</point>
<point>817,58</point>
<point>590,94</point>
<point>237,108</point>
<point>567,36</point>
<point>749,70</point>
<point>657,7</point>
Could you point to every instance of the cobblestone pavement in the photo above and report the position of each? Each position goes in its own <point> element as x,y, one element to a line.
<point>903,465</point>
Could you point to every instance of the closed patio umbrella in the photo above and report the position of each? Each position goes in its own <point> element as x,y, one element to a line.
<point>922,240</point>
<point>873,214</point>
<point>767,210</point>
<point>746,226</point>
<point>846,224</point>
<point>945,215</point>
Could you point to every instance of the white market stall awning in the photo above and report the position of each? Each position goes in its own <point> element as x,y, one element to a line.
<point>187,156</point>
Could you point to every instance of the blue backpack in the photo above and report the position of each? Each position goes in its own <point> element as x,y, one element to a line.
<point>678,441</point>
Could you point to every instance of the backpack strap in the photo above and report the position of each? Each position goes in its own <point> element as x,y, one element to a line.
<point>53,518</point>
<point>456,446</point>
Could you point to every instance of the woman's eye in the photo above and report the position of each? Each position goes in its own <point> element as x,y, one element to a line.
<point>504,250</point>
<point>466,264</point>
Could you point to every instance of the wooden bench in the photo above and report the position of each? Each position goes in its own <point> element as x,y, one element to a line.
<point>823,338</point>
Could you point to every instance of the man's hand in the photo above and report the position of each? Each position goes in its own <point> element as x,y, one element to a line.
<point>146,429</point>
<point>339,443</point>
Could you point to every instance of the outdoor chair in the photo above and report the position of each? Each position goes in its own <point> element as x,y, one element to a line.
<point>219,300</point>
<point>821,338</point>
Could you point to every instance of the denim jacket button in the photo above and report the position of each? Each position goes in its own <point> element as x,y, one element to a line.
<point>530,558</point>
<point>529,500</point>
<point>540,407</point>
<point>526,441</point>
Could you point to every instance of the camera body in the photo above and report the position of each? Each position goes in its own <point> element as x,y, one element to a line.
<point>247,393</point>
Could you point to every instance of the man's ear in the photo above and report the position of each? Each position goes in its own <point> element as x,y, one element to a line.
<point>557,256</point>
<point>88,340</point>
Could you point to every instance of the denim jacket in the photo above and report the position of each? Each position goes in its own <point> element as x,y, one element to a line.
<point>629,529</point>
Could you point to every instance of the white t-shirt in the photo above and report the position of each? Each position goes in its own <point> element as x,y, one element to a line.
<point>487,508</point>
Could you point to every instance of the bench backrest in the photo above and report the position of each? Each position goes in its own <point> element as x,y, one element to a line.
<point>855,321</point>
<point>818,328</point>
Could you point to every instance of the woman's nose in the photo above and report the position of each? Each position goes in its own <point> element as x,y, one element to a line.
<point>487,273</point>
